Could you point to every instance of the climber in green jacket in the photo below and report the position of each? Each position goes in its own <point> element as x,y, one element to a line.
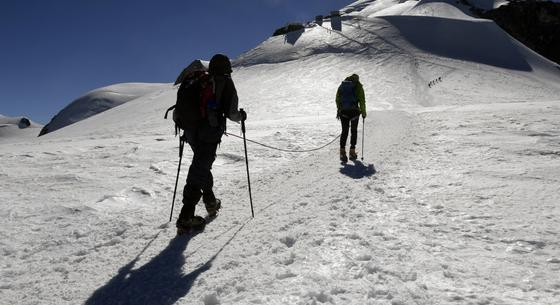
<point>350,103</point>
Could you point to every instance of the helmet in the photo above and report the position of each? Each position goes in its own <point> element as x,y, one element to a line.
<point>219,64</point>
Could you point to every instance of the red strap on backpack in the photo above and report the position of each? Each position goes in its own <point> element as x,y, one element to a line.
<point>206,95</point>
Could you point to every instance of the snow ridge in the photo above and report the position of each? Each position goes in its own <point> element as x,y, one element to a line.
<point>97,101</point>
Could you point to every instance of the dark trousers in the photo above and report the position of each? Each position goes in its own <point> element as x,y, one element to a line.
<point>347,123</point>
<point>199,179</point>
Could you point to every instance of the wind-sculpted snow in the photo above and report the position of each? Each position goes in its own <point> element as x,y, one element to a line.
<point>449,9</point>
<point>480,42</point>
<point>435,27</point>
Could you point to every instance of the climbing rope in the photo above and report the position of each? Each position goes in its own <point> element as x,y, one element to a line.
<point>286,150</point>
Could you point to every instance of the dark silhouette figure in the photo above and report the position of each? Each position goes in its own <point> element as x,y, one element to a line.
<point>160,281</point>
<point>221,102</point>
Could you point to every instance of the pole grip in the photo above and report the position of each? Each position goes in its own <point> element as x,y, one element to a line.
<point>242,122</point>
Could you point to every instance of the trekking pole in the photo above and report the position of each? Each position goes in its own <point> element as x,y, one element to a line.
<point>181,146</point>
<point>247,164</point>
<point>363,135</point>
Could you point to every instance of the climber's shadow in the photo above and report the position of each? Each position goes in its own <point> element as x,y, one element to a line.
<point>357,170</point>
<point>160,281</point>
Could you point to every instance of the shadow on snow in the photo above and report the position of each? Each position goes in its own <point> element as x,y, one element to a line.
<point>161,281</point>
<point>480,41</point>
<point>293,37</point>
<point>357,170</point>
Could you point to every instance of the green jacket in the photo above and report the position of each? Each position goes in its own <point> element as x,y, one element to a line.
<point>359,90</point>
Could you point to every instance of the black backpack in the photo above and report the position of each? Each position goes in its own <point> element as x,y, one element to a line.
<point>195,103</point>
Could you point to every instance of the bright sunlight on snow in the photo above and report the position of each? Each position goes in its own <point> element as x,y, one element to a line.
<point>455,200</point>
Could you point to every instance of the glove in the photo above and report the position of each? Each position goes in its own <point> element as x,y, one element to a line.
<point>364,115</point>
<point>243,114</point>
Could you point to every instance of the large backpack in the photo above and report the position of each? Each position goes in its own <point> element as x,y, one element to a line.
<point>196,102</point>
<point>348,98</point>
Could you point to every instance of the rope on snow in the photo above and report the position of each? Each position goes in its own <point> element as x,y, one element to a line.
<point>286,150</point>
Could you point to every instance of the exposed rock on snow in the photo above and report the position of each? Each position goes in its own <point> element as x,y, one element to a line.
<point>17,128</point>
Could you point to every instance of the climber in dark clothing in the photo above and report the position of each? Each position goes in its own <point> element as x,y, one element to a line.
<point>204,141</point>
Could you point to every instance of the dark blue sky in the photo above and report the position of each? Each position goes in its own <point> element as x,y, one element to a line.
<point>51,52</point>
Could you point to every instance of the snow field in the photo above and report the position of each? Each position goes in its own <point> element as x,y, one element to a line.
<point>430,217</point>
<point>478,174</point>
<point>456,201</point>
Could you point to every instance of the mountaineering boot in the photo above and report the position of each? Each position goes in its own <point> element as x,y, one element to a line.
<point>187,221</point>
<point>353,155</point>
<point>187,212</point>
<point>186,225</point>
<point>213,207</point>
<point>211,203</point>
<point>343,156</point>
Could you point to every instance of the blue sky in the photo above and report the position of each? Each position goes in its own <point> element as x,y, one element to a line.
<point>53,51</point>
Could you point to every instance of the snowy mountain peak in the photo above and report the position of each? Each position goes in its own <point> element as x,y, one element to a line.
<point>97,101</point>
<point>376,29</point>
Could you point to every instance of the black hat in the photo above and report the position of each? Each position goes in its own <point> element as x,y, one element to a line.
<point>353,77</point>
<point>219,64</point>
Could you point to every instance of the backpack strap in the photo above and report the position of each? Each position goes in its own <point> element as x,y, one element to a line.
<point>177,129</point>
<point>207,94</point>
<point>168,109</point>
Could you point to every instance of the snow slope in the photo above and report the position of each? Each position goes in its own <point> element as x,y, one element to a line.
<point>13,129</point>
<point>97,101</point>
<point>455,201</point>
